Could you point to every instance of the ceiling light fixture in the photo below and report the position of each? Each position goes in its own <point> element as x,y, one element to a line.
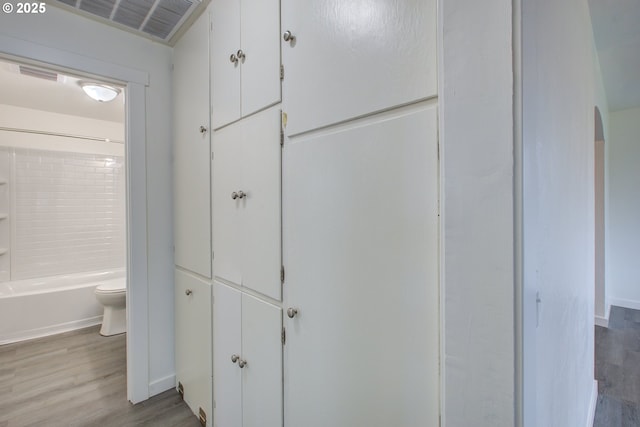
<point>100,92</point>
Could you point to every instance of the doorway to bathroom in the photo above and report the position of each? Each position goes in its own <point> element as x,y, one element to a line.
<point>63,204</point>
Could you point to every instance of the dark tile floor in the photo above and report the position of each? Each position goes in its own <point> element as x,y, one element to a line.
<point>618,370</point>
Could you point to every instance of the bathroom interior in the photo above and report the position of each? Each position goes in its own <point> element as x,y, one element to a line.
<point>62,204</point>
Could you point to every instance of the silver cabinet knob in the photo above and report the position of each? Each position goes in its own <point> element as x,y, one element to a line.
<point>292,312</point>
<point>234,358</point>
<point>287,36</point>
<point>241,194</point>
<point>234,195</point>
<point>233,58</point>
<point>188,292</point>
<point>203,129</point>
<point>242,363</point>
<point>241,55</point>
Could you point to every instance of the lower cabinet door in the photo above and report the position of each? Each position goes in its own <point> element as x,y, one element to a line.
<point>262,374</point>
<point>227,376</point>
<point>247,360</point>
<point>193,341</point>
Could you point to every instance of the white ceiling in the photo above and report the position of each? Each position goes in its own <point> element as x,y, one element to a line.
<point>64,96</point>
<point>616,29</point>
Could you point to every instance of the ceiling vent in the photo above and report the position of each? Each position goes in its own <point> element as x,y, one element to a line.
<point>40,74</point>
<point>158,19</point>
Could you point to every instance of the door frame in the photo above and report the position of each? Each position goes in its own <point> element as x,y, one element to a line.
<point>135,82</point>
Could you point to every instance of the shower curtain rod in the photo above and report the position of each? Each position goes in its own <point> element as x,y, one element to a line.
<point>65,135</point>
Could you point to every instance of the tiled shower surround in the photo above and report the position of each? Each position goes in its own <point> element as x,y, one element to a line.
<point>67,212</point>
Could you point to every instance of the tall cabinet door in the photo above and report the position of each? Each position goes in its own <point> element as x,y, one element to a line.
<point>193,341</point>
<point>261,45</point>
<point>227,375</point>
<point>357,57</point>
<point>225,72</point>
<point>246,191</point>
<point>227,207</point>
<point>262,376</point>
<point>361,250</point>
<point>192,192</point>
<point>261,173</point>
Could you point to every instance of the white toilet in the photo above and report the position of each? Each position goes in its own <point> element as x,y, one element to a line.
<point>112,294</point>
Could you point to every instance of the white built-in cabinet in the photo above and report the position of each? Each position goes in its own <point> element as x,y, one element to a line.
<point>339,184</point>
<point>245,58</point>
<point>348,59</point>
<point>193,342</point>
<point>192,219</point>
<point>360,210</point>
<point>246,209</point>
<point>191,147</point>
<point>246,154</point>
<point>248,360</point>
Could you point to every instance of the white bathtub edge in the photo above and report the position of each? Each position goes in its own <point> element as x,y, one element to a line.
<point>50,330</point>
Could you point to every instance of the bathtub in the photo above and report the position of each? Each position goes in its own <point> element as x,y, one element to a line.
<point>34,308</point>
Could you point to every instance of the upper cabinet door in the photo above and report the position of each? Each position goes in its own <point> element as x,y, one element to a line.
<point>357,57</point>
<point>260,42</point>
<point>225,65</point>
<point>191,146</point>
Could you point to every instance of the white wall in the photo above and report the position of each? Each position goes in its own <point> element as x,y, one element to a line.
<point>623,284</point>
<point>558,138</point>
<point>67,32</point>
<point>13,117</point>
<point>476,95</point>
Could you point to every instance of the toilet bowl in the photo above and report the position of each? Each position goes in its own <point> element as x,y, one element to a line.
<point>112,295</point>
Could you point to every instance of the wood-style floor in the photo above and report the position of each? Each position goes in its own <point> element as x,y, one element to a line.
<point>78,379</point>
<point>618,370</point>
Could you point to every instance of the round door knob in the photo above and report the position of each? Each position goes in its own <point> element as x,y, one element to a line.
<point>203,129</point>
<point>292,312</point>
<point>241,194</point>
<point>287,36</point>
<point>234,358</point>
<point>242,363</point>
<point>241,55</point>
<point>233,58</point>
<point>234,195</point>
<point>188,292</point>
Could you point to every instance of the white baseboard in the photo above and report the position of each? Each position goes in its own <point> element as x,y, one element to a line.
<point>592,404</point>
<point>162,384</point>
<point>626,303</point>
<point>49,330</point>
<point>603,320</point>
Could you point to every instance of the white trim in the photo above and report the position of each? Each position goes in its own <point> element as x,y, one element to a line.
<point>621,302</point>
<point>602,321</point>
<point>592,404</point>
<point>51,330</point>
<point>23,49</point>
<point>163,384</point>
<point>135,128</point>
<point>137,256</point>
